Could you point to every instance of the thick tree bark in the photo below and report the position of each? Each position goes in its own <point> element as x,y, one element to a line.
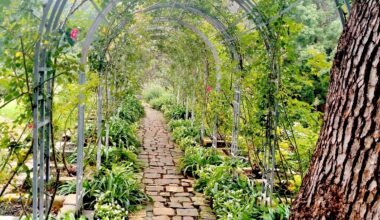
<point>343,181</point>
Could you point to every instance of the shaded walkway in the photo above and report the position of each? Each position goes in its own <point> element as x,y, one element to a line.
<point>172,193</point>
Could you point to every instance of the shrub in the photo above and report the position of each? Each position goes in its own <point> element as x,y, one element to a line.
<point>120,155</point>
<point>153,93</point>
<point>123,134</point>
<point>175,112</point>
<point>196,158</point>
<point>185,132</point>
<point>186,142</point>
<point>107,210</point>
<point>233,195</point>
<point>117,185</point>
<point>67,188</point>
<point>178,123</point>
<point>164,100</point>
<point>131,109</point>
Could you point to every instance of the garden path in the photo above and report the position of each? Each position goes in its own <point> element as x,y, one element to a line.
<point>172,193</point>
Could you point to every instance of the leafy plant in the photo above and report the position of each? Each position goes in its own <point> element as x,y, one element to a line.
<point>107,210</point>
<point>178,123</point>
<point>131,109</point>
<point>195,158</point>
<point>165,99</point>
<point>185,132</point>
<point>117,184</point>
<point>67,188</point>
<point>175,112</point>
<point>122,134</point>
<point>153,93</point>
<point>119,155</point>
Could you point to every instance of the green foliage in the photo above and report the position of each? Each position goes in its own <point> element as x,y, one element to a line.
<point>120,155</point>
<point>123,134</point>
<point>115,186</point>
<point>71,216</point>
<point>173,124</point>
<point>161,102</point>
<point>195,158</point>
<point>122,130</point>
<point>67,188</point>
<point>182,132</point>
<point>131,109</point>
<point>107,208</point>
<point>233,195</point>
<point>153,92</point>
<point>175,112</point>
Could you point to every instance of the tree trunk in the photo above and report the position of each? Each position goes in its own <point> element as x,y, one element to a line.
<point>343,181</point>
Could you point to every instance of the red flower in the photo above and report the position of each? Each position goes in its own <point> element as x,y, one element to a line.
<point>74,33</point>
<point>208,89</point>
<point>30,126</point>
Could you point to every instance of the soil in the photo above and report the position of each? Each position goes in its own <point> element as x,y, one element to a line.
<point>14,209</point>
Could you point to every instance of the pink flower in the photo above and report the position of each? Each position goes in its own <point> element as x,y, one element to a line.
<point>208,89</point>
<point>74,33</point>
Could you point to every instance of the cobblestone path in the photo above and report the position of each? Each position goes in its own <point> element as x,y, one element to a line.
<point>172,193</point>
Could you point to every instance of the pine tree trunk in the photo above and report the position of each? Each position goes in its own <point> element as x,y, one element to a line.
<point>343,181</point>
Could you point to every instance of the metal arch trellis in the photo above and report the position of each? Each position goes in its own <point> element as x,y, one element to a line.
<point>215,54</point>
<point>43,107</point>
<point>86,45</point>
<point>42,101</point>
<point>195,30</point>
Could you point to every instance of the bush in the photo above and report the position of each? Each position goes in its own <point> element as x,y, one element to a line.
<point>131,109</point>
<point>120,155</point>
<point>196,158</point>
<point>233,195</point>
<point>123,134</point>
<point>164,100</point>
<point>153,93</point>
<point>116,186</point>
<point>182,132</point>
<point>178,123</point>
<point>175,112</point>
<point>107,210</point>
<point>67,188</point>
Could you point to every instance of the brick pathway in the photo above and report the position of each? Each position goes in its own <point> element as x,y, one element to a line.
<point>172,193</point>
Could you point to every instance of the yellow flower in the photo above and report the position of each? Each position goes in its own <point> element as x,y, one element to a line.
<point>18,54</point>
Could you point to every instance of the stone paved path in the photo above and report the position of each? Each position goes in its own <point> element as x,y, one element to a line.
<point>172,193</point>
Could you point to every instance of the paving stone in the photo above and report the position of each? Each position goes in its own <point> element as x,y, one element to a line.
<point>70,200</point>
<point>158,199</point>
<point>154,188</point>
<point>139,214</point>
<point>166,181</point>
<point>151,193</point>
<point>165,194</point>
<point>182,194</point>
<point>171,176</point>
<point>163,211</point>
<point>187,212</point>
<point>152,175</point>
<point>175,205</point>
<point>158,205</point>
<point>161,218</point>
<point>180,199</point>
<point>198,200</point>
<point>177,189</point>
<point>173,195</point>
<point>188,205</point>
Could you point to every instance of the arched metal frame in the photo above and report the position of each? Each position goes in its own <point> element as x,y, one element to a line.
<point>187,25</point>
<point>42,85</point>
<point>43,128</point>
